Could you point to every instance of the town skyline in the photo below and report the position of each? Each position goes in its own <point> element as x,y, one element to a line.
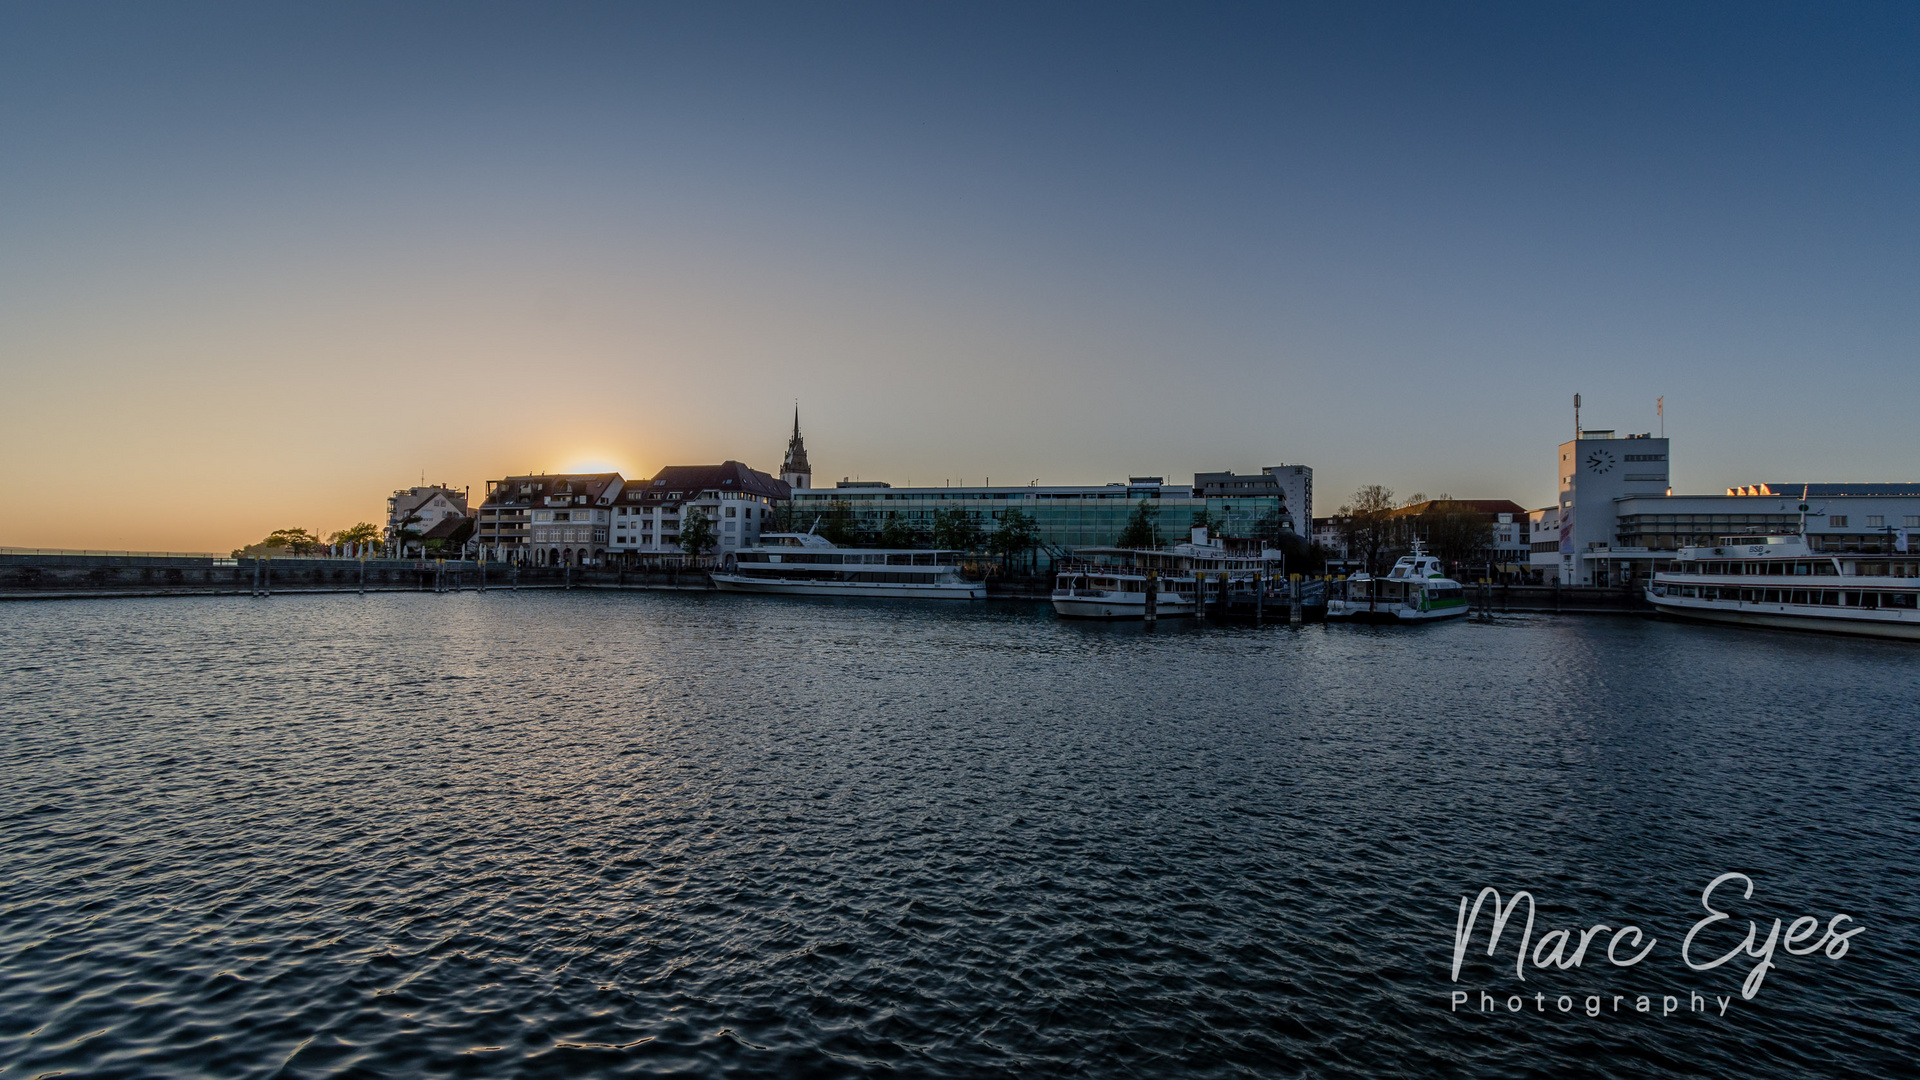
<point>260,267</point>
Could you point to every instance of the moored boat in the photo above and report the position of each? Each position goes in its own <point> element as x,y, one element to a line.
<point>803,564</point>
<point>1112,583</point>
<point>1416,590</point>
<point>1780,582</point>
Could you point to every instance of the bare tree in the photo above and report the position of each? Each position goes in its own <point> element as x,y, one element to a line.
<point>1368,527</point>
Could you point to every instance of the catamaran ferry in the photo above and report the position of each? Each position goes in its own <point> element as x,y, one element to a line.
<point>1414,591</point>
<point>1778,581</point>
<point>802,564</point>
<point>1112,582</point>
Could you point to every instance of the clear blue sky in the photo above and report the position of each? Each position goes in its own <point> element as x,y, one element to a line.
<point>312,250</point>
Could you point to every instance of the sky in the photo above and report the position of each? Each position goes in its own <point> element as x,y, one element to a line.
<point>260,264</point>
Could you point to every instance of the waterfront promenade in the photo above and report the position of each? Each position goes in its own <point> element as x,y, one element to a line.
<point>51,575</point>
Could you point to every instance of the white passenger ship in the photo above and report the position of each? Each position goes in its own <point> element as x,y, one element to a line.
<point>802,564</point>
<point>1416,590</point>
<point>1778,581</point>
<point>1112,582</point>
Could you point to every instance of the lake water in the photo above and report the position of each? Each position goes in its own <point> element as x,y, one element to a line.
<point>576,834</point>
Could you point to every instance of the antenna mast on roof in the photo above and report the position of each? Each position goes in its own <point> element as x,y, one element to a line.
<point>1576,418</point>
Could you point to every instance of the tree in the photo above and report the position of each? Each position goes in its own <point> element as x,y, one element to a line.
<point>1141,531</point>
<point>899,532</point>
<point>1018,534</point>
<point>1456,534</point>
<point>1215,524</point>
<point>406,534</point>
<point>281,542</point>
<point>1368,526</point>
<point>362,533</point>
<point>696,533</point>
<point>955,530</point>
<point>838,524</point>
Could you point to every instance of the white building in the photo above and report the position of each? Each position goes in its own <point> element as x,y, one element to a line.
<point>414,512</point>
<point>1618,520</point>
<point>1512,545</point>
<point>1595,469</point>
<point>568,520</point>
<point>1296,490</point>
<point>1543,532</point>
<point>648,518</point>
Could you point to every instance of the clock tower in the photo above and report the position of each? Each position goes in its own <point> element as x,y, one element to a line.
<point>1596,468</point>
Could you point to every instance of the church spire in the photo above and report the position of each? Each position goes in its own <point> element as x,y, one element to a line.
<point>795,470</point>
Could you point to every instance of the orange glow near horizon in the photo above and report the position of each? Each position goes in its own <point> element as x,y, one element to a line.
<point>596,463</point>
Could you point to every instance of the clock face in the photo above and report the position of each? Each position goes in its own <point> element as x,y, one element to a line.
<point>1600,462</point>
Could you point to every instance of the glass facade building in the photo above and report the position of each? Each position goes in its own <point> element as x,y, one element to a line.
<point>1068,517</point>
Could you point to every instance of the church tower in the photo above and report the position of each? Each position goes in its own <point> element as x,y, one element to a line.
<point>795,470</point>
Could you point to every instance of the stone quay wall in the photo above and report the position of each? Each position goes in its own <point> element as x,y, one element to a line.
<point>51,576</point>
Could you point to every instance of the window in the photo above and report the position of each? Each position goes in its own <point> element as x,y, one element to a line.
<point>1836,521</point>
<point>1875,521</point>
<point>1911,521</point>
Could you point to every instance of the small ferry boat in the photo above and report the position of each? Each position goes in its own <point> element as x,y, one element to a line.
<point>803,564</point>
<point>1111,583</point>
<point>1416,590</point>
<point>1780,582</point>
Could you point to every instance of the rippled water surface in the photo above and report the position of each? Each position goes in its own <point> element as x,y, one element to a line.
<point>575,834</point>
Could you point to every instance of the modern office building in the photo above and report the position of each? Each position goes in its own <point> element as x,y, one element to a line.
<point>1292,483</point>
<point>1069,517</point>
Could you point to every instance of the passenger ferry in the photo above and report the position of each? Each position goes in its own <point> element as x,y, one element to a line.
<point>1416,590</point>
<point>802,564</point>
<point>1779,581</point>
<point>1112,582</point>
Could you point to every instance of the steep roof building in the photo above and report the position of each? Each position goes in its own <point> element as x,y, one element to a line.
<point>738,503</point>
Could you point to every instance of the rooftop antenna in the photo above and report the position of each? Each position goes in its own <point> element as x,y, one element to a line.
<point>1660,409</point>
<point>1576,417</point>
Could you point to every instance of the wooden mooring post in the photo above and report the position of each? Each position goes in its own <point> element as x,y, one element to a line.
<point>1295,616</point>
<point>1153,597</point>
